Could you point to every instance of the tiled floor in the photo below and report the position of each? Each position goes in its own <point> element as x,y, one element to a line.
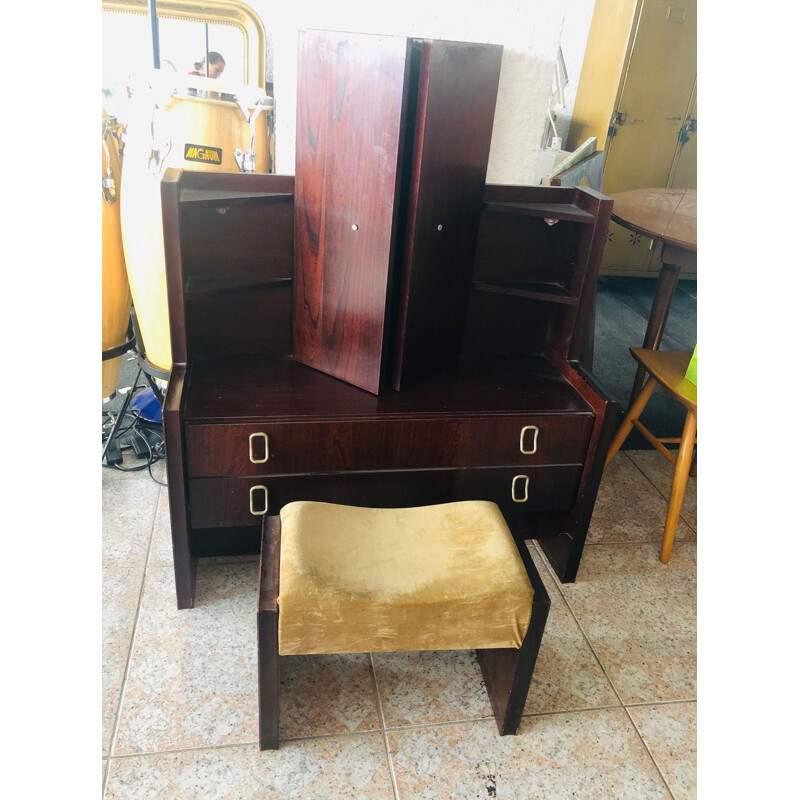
<point>611,713</point>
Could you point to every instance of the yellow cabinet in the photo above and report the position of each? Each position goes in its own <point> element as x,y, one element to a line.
<point>638,95</point>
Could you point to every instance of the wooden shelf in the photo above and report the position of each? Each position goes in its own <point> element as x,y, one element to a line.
<point>549,292</point>
<point>207,286</point>
<point>231,197</point>
<point>563,212</point>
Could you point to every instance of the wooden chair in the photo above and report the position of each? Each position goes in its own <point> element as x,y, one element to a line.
<point>666,368</point>
<point>345,579</point>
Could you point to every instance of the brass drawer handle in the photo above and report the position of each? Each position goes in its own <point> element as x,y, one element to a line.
<point>522,440</point>
<point>252,498</point>
<point>253,437</point>
<point>514,496</point>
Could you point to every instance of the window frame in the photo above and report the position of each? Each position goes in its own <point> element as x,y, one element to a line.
<point>223,12</point>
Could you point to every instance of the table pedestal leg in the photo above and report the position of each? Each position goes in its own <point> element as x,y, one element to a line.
<point>665,291</point>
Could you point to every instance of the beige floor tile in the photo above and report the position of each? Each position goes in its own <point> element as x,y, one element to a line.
<point>161,547</point>
<point>670,733</point>
<point>121,588</point>
<point>352,767</point>
<point>325,694</point>
<point>421,688</point>
<point>128,510</point>
<point>192,678</point>
<point>567,676</point>
<point>629,508</point>
<point>660,472</point>
<point>588,754</point>
<point>640,616</point>
<point>447,686</point>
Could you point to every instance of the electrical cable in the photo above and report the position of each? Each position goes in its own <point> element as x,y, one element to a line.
<point>152,437</point>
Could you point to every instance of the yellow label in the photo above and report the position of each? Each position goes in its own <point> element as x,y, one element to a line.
<point>198,152</point>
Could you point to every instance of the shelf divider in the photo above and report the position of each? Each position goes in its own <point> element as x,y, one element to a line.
<point>548,292</point>
<point>563,212</point>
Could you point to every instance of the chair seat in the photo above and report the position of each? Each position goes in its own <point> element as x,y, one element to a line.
<point>442,577</point>
<point>668,367</point>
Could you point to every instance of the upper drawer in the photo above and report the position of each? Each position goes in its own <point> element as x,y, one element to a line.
<point>341,445</point>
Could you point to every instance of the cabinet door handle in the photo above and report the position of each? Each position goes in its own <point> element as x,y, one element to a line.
<point>522,439</point>
<point>253,437</point>
<point>514,494</point>
<point>252,501</point>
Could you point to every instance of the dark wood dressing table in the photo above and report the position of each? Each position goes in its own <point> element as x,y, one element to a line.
<point>472,388</point>
<point>249,429</point>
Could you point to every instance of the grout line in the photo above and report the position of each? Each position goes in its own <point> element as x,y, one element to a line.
<point>243,744</point>
<point>392,774</point>
<point>590,646</point>
<point>623,705</point>
<point>665,497</point>
<point>396,729</point>
<point>647,749</point>
<point>113,741</point>
<point>548,566</point>
<point>650,703</point>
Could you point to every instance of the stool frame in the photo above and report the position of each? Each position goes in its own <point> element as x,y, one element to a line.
<point>507,672</point>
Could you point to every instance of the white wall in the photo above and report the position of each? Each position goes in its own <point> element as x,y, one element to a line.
<point>530,32</point>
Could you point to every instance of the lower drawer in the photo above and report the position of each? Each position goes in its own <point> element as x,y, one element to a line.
<point>224,502</point>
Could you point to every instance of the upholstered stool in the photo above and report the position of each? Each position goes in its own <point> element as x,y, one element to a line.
<point>342,579</point>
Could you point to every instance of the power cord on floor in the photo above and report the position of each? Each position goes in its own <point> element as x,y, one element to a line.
<point>133,434</point>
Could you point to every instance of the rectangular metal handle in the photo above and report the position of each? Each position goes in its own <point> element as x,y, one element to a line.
<point>514,494</point>
<point>522,439</point>
<point>252,501</point>
<point>253,437</point>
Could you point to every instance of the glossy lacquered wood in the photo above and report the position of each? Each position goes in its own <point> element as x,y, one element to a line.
<point>454,119</point>
<point>274,448</point>
<point>352,96</point>
<point>223,502</point>
<point>228,256</point>
<point>541,292</point>
<point>507,672</point>
<point>247,388</point>
<point>392,148</point>
<point>184,565</point>
<point>267,634</point>
<point>562,536</point>
<point>389,140</point>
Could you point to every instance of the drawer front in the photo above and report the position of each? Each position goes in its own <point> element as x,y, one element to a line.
<point>330,446</point>
<point>230,502</point>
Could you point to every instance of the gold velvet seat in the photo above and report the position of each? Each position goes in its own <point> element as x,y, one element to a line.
<point>344,579</point>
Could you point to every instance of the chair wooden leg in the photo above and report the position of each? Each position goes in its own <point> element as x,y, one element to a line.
<point>268,659</point>
<point>682,467</point>
<point>634,412</point>
<point>665,290</point>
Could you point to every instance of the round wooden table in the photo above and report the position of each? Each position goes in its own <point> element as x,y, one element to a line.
<point>669,216</point>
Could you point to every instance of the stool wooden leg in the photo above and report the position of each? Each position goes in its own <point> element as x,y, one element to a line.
<point>268,695</point>
<point>507,672</point>
<point>627,424</point>
<point>682,467</point>
<point>268,677</point>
